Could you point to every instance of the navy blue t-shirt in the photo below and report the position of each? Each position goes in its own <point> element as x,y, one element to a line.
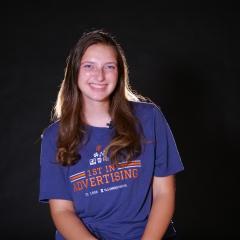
<point>114,202</point>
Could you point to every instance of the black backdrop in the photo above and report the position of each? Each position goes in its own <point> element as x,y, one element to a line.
<point>185,58</point>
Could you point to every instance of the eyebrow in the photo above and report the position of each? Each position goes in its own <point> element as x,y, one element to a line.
<point>94,62</point>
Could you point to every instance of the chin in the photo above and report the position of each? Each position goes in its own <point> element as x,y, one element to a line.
<point>100,99</point>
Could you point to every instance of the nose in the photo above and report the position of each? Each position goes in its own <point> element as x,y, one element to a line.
<point>100,74</point>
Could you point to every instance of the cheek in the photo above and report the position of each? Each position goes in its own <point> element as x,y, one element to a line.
<point>80,82</point>
<point>82,77</point>
<point>116,78</point>
<point>114,83</point>
<point>113,76</point>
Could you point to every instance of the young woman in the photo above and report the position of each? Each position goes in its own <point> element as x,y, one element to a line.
<point>108,161</point>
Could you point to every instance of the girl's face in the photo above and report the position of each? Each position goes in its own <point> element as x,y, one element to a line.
<point>98,73</point>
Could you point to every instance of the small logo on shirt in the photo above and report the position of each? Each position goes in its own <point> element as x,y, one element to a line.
<point>98,156</point>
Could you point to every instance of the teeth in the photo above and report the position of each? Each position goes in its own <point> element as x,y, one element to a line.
<point>98,85</point>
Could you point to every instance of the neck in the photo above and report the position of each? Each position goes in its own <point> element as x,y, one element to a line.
<point>97,113</point>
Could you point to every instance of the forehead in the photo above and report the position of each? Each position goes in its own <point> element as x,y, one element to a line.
<point>100,52</point>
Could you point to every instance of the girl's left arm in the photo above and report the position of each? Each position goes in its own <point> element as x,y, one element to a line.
<point>162,208</point>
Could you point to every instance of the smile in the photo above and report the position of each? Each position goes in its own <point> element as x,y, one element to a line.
<point>95,85</point>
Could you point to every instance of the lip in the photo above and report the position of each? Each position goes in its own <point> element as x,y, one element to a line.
<point>96,85</point>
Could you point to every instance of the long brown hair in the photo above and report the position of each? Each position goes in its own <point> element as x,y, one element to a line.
<point>69,110</point>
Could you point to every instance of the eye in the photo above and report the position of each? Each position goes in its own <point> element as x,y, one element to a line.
<point>87,66</point>
<point>110,67</point>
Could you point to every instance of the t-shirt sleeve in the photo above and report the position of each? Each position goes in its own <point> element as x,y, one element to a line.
<point>53,183</point>
<point>167,158</point>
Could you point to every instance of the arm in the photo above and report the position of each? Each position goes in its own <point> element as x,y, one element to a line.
<point>162,208</point>
<point>67,222</point>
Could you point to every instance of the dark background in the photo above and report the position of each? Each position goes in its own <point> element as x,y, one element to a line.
<point>184,57</point>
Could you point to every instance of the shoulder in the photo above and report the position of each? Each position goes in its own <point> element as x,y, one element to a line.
<point>51,131</point>
<point>149,109</point>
